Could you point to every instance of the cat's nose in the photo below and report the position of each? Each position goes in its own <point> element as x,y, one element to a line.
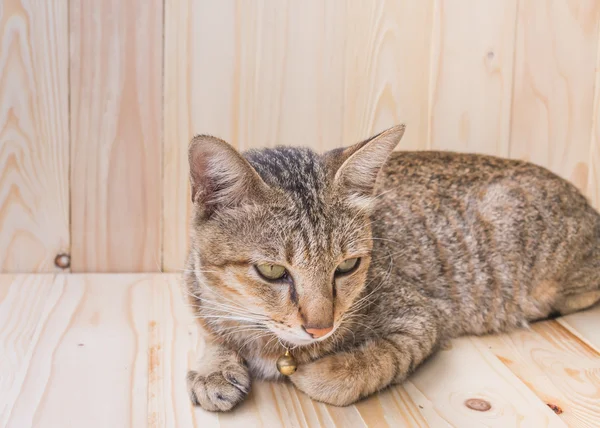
<point>318,332</point>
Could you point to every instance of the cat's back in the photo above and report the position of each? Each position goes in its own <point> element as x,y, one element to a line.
<point>461,172</point>
<point>471,230</point>
<point>461,180</point>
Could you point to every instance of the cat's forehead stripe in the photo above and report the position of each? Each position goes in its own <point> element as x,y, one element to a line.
<point>299,172</point>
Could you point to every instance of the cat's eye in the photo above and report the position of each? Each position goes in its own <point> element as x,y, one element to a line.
<point>347,266</point>
<point>270,271</point>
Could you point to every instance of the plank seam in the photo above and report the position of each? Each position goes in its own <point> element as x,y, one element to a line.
<point>512,80</point>
<point>572,331</point>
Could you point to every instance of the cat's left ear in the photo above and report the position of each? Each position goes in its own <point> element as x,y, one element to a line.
<point>358,166</point>
<point>220,177</point>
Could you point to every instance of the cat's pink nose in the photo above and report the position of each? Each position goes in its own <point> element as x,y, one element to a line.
<point>318,332</point>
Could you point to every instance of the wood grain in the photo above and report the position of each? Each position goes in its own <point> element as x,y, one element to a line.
<point>393,408</point>
<point>469,370</point>
<point>116,129</point>
<point>471,75</point>
<point>555,60</point>
<point>560,369</point>
<point>22,311</point>
<point>584,325</point>
<point>593,183</point>
<point>116,349</point>
<point>317,74</point>
<point>493,77</point>
<point>92,353</point>
<point>34,134</point>
<point>179,30</point>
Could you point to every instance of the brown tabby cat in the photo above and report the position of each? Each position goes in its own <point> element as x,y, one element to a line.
<point>363,261</point>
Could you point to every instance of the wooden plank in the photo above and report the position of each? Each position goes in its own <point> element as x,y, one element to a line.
<point>584,325</point>
<point>468,370</point>
<point>91,351</point>
<point>116,92</point>
<point>471,75</point>
<point>34,135</point>
<point>318,74</point>
<point>117,347</point>
<point>22,313</point>
<point>179,30</point>
<point>393,408</point>
<point>173,339</point>
<point>555,59</point>
<point>563,371</point>
<point>593,184</point>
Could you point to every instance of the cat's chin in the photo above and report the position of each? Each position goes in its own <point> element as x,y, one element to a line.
<point>293,339</point>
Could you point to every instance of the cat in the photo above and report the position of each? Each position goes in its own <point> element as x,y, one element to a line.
<point>363,261</point>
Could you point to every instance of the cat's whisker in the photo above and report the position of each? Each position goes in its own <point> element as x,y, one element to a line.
<point>233,304</point>
<point>247,330</point>
<point>251,339</point>
<point>211,305</point>
<point>241,314</point>
<point>243,327</point>
<point>358,304</point>
<point>219,305</point>
<point>207,287</point>
<point>352,320</point>
<point>225,318</point>
<point>348,330</point>
<point>270,341</point>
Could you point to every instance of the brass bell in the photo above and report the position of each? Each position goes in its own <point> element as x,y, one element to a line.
<point>286,364</point>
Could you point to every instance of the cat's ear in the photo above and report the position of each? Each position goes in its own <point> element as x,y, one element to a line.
<point>220,176</point>
<point>358,166</point>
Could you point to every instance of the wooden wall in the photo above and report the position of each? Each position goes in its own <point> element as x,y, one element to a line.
<point>98,101</point>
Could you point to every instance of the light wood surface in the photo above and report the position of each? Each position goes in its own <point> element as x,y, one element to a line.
<point>112,350</point>
<point>593,184</point>
<point>556,366</point>
<point>34,134</point>
<point>555,59</point>
<point>99,99</point>
<point>503,78</point>
<point>116,134</point>
<point>472,114</point>
<point>316,74</point>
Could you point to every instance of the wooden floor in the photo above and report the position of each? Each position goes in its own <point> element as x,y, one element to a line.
<point>112,351</point>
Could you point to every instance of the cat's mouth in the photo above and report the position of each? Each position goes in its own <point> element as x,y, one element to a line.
<point>298,336</point>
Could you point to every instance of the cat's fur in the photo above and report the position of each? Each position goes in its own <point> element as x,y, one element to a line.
<point>451,244</point>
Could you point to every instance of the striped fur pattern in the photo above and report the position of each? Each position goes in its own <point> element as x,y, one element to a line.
<point>449,245</point>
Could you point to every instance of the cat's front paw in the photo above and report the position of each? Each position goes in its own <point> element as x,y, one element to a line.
<point>332,380</point>
<point>221,390</point>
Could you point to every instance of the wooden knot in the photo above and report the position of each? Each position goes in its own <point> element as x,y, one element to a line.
<point>478,404</point>
<point>555,408</point>
<point>62,261</point>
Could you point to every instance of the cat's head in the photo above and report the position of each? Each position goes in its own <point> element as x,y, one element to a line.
<point>282,237</point>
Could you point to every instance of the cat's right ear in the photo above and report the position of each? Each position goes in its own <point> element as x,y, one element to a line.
<point>220,176</point>
<point>357,167</point>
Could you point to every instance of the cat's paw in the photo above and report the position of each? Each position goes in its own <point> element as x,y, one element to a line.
<point>330,380</point>
<point>221,390</point>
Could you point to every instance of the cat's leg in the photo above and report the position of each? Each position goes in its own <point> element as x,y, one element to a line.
<point>577,302</point>
<point>220,381</point>
<point>345,377</point>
